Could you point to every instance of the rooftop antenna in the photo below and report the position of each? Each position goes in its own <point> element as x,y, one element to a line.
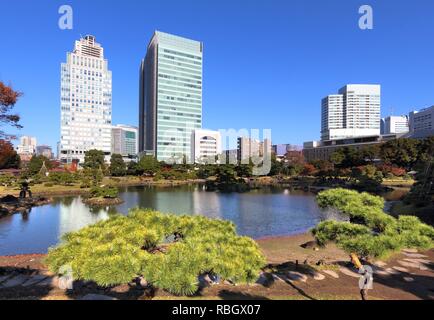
<point>392,109</point>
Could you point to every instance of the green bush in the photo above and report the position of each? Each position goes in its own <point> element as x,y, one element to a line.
<point>121,248</point>
<point>107,192</point>
<point>371,232</point>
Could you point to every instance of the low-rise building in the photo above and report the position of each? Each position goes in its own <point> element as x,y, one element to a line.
<point>206,146</point>
<point>44,150</point>
<point>394,124</point>
<point>323,150</point>
<point>27,148</point>
<point>124,141</point>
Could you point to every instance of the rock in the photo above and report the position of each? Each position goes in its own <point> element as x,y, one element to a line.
<point>318,276</point>
<point>408,279</point>
<point>392,271</point>
<point>410,250</point>
<point>15,281</point>
<point>34,280</point>
<point>310,245</point>
<point>51,281</point>
<point>381,272</point>
<point>349,272</point>
<point>380,264</point>
<point>296,276</point>
<point>415,255</point>
<point>331,273</point>
<point>401,269</point>
<point>9,199</point>
<point>263,279</point>
<point>204,281</point>
<point>143,282</point>
<point>416,260</point>
<point>4,278</point>
<point>409,264</point>
<point>277,278</point>
<point>92,296</point>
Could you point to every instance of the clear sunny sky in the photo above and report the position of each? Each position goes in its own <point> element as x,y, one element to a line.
<point>267,64</point>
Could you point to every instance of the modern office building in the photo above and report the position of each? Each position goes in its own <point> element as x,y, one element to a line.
<point>86,102</point>
<point>422,123</point>
<point>44,150</point>
<point>206,145</point>
<point>323,150</point>
<point>394,124</point>
<point>353,112</point>
<point>125,141</point>
<point>27,147</point>
<point>170,102</point>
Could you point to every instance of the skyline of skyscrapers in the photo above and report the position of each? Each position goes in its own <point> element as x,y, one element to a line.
<point>86,101</point>
<point>170,98</point>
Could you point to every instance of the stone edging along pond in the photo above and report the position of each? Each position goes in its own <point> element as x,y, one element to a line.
<point>10,205</point>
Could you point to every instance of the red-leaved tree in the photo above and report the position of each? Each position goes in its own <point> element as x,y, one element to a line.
<point>8,99</point>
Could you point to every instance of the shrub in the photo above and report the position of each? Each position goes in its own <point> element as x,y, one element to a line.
<point>61,178</point>
<point>117,250</point>
<point>7,180</point>
<point>371,232</point>
<point>107,192</point>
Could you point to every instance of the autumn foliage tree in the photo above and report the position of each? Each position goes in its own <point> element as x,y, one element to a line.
<point>8,156</point>
<point>8,99</point>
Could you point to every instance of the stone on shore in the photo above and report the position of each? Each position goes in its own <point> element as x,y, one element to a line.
<point>415,255</point>
<point>349,272</point>
<point>34,280</point>
<point>296,276</point>
<point>14,281</point>
<point>401,269</point>
<point>331,273</point>
<point>410,250</point>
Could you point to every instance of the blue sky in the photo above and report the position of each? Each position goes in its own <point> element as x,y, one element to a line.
<point>267,64</point>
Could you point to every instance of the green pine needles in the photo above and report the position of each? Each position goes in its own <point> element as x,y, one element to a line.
<point>169,251</point>
<point>371,233</point>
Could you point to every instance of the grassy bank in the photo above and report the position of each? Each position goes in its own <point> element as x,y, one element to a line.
<point>75,189</point>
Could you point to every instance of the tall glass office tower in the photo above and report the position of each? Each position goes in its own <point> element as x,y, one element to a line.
<point>170,105</point>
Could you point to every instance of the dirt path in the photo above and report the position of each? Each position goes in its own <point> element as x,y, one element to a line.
<point>408,275</point>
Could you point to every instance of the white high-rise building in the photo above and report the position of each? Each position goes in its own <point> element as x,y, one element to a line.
<point>422,123</point>
<point>86,101</point>
<point>394,124</point>
<point>124,141</point>
<point>353,112</point>
<point>206,145</point>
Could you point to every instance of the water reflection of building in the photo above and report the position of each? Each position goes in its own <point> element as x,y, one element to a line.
<point>76,215</point>
<point>206,203</point>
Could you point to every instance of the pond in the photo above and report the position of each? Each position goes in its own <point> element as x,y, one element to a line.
<point>258,213</point>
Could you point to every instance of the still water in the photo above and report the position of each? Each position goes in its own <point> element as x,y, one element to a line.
<point>259,213</point>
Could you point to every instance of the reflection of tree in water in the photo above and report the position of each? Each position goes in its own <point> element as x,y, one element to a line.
<point>66,201</point>
<point>96,210</point>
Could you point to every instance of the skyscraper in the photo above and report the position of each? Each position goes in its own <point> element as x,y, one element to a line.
<point>353,112</point>
<point>170,105</point>
<point>86,101</point>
